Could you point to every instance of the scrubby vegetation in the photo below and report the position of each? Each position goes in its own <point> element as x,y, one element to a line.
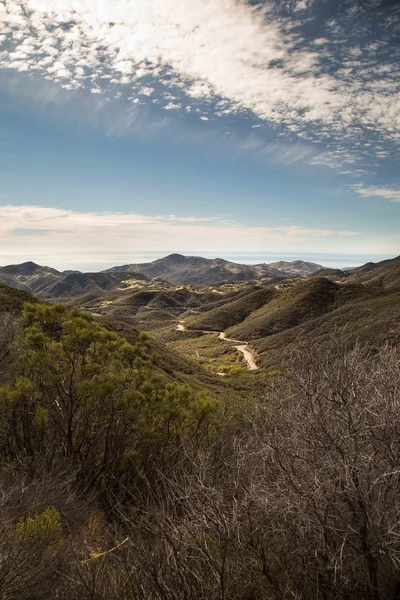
<point>231,313</point>
<point>118,482</point>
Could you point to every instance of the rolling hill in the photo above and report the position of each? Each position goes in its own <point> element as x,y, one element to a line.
<point>231,313</point>
<point>304,301</point>
<point>77,284</point>
<point>385,274</point>
<point>48,283</point>
<point>29,276</point>
<point>364,307</point>
<point>169,366</point>
<point>175,269</point>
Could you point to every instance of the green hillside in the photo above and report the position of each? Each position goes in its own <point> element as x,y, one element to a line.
<point>169,366</point>
<point>305,300</point>
<point>231,313</point>
<point>12,300</point>
<point>373,321</point>
<point>385,275</point>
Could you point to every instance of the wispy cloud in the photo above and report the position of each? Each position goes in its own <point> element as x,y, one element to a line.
<point>226,54</point>
<point>72,238</point>
<point>385,193</point>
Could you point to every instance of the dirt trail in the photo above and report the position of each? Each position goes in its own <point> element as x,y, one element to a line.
<point>242,346</point>
<point>248,356</point>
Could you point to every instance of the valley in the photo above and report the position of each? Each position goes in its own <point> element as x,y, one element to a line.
<point>230,318</point>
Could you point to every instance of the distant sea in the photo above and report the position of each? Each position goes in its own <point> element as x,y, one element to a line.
<point>335,261</point>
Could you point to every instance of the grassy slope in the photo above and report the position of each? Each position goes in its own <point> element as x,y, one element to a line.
<point>231,313</point>
<point>175,363</point>
<point>373,321</point>
<point>317,309</point>
<point>385,275</point>
<point>171,366</point>
<point>305,300</point>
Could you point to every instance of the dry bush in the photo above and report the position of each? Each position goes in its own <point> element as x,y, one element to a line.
<point>8,327</point>
<point>42,523</point>
<point>303,503</point>
<point>328,442</point>
<point>296,497</point>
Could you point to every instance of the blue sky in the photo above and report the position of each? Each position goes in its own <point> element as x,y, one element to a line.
<point>133,128</point>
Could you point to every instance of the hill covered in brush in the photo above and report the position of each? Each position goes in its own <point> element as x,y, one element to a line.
<point>195,270</point>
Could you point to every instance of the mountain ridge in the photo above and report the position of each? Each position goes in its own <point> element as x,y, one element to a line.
<point>174,269</point>
<point>178,269</point>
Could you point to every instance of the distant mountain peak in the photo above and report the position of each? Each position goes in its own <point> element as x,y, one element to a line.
<point>177,258</point>
<point>26,268</point>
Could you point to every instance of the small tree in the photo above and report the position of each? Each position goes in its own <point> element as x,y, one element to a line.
<point>87,396</point>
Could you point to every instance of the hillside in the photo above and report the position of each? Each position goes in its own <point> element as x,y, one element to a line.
<point>271,316</point>
<point>29,276</point>
<point>172,270</point>
<point>48,283</point>
<point>231,313</point>
<point>170,366</point>
<point>154,306</point>
<point>12,300</point>
<point>290,307</point>
<point>385,274</point>
<point>317,309</point>
<point>295,267</point>
<point>374,321</point>
<point>77,284</point>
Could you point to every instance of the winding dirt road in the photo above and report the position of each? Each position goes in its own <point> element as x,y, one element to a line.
<point>242,347</point>
<point>248,356</point>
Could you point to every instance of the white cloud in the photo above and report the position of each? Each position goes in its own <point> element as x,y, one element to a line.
<point>210,49</point>
<point>70,238</point>
<point>386,193</point>
<point>172,106</point>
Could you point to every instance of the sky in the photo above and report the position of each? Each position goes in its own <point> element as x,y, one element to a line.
<point>136,128</point>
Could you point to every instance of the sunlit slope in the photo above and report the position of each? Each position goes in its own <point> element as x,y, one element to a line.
<point>155,306</point>
<point>170,366</point>
<point>29,276</point>
<point>385,275</point>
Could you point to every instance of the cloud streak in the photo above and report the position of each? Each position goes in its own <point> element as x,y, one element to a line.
<point>385,193</point>
<point>76,238</point>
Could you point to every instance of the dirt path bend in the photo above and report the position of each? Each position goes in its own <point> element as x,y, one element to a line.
<point>248,356</point>
<point>222,336</point>
<point>242,346</point>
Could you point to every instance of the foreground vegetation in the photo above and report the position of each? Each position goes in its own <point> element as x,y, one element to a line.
<point>118,483</point>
